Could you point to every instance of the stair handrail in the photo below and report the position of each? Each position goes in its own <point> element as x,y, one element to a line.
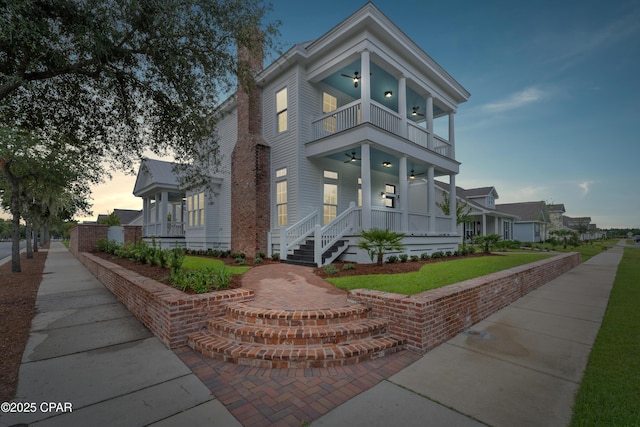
<point>333,231</point>
<point>297,233</point>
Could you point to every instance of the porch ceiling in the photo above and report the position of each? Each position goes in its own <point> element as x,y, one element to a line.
<point>381,82</point>
<point>378,157</point>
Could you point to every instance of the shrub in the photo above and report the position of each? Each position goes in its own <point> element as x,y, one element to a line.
<point>275,256</point>
<point>348,267</point>
<point>377,242</point>
<point>425,256</point>
<point>392,259</point>
<point>437,254</point>
<point>240,260</point>
<point>415,258</point>
<point>448,253</point>
<point>404,258</point>
<point>330,269</point>
<point>258,260</point>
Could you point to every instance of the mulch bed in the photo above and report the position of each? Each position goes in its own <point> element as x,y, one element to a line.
<point>17,308</point>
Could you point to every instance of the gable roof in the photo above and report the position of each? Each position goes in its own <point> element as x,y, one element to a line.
<point>480,192</point>
<point>461,195</point>
<point>556,208</point>
<point>154,174</point>
<point>127,216</point>
<point>527,211</point>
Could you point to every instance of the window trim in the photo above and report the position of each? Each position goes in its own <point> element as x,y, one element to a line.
<point>282,111</point>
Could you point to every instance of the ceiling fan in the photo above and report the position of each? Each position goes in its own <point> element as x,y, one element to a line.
<point>352,157</point>
<point>355,77</point>
<point>415,112</point>
<point>413,174</point>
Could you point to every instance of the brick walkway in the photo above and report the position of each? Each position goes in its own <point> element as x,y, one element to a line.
<point>289,397</point>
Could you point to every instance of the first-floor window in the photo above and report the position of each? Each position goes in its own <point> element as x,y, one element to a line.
<point>390,196</point>
<point>281,196</point>
<point>195,210</point>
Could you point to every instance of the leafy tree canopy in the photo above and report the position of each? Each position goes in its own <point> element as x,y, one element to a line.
<point>115,78</point>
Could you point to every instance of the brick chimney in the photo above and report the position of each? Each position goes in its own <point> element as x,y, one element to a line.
<point>250,161</point>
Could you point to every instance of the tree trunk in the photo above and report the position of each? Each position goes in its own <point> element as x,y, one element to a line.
<point>36,227</point>
<point>15,221</point>
<point>28,237</point>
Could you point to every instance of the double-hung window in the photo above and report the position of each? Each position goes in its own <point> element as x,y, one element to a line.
<point>195,210</point>
<point>281,110</point>
<point>330,199</point>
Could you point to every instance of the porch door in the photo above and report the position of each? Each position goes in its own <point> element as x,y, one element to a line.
<point>330,196</point>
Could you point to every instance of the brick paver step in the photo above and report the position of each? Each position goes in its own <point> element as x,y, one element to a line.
<point>277,317</point>
<point>354,330</point>
<point>292,356</point>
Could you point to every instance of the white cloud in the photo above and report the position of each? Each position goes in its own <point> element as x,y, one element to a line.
<point>517,100</point>
<point>585,186</point>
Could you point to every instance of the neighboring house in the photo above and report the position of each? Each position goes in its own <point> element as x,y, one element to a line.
<point>484,217</point>
<point>126,216</point>
<point>556,216</point>
<point>582,226</point>
<point>533,223</point>
<point>328,144</point>
<point>163,202</point>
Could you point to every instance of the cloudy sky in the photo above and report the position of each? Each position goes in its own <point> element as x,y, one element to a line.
<point>555,96</point>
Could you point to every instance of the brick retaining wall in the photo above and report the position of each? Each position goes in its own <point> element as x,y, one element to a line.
<point>432,317</point>
<point>169,313</point>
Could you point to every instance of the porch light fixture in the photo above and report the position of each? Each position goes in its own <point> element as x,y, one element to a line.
<point>388,94</point>
<point>386,164</point>
<point>413,175</point>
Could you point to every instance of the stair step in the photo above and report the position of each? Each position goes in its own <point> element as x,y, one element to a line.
<point>279,356</point>
<point>298,336</point>
<point>296,318</point>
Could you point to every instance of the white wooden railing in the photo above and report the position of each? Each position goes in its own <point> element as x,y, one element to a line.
<point>294,235</point>
<point>345,117</point>
<point>174,229</point>
<point>350,116</point>
<point>329,234</point>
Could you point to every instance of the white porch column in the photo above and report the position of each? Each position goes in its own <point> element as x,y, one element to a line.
<point>496,226</point>
<point>484,224</point>
<point>145,215</point>
<point>402,104</point>
<point>365,86</point>
<point>404,192</point>
<point>452,135</point>
<point>365,175</point>
<point>429,113</point>
<point>156,221</point>
<point>163,213</point>
<point>453,204</point>
<point>431,200</point>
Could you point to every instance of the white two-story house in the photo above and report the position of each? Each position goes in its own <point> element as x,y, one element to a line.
<point>337,137</point>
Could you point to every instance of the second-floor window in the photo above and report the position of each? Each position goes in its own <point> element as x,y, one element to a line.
<point>281,110</point>
<point>329,104</point>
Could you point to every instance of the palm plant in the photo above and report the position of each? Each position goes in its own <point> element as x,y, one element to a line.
<point>377,242</point>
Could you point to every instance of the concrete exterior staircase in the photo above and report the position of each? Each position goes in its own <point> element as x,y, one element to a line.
<point>304,255</point>
<point>272,338</point>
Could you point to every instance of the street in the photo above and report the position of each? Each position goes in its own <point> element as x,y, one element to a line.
<point>5,248</point>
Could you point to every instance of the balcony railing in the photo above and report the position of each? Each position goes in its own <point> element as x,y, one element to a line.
<point>350,116</point>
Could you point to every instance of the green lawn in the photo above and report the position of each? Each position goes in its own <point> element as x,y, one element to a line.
<point>195,262</point>
<point>609,394</point>
<point>586,251</point>
<point>435,275</point>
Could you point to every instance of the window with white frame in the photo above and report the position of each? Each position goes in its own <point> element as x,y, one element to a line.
<point>330,199</point>
<point>281,196</point>
<point>281,110</point>
<point>329,104</point>
<point>195,210</point>
<point>390,196</point>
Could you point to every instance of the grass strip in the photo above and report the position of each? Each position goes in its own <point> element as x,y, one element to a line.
<point>196,262</point>
<point>435,275</point>
<point>609,394</point>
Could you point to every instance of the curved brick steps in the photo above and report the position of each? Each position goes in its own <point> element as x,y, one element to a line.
<point>295,338</point>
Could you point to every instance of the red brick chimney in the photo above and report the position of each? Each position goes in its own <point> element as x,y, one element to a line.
<point>250,161</point>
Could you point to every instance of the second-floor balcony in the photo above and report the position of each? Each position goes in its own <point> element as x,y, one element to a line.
<point>350,116</point>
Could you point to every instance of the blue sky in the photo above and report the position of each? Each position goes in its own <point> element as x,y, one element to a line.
<point>555,95</point>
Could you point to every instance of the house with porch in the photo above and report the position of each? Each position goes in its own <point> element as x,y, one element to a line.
<point>533,223</point>
<point>337,136</point>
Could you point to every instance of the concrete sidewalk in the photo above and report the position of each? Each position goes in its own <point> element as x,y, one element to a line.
<point>521,366</point>
<point>87,350</point>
